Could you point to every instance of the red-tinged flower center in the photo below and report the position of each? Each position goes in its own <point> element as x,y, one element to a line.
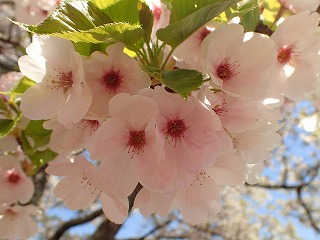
<point>44,12</point>
<point>285,54</point>
<point>220,110</point>
<point>92,124</point>
<point>136,142</point>
<point>204,32</point>
<point>175,129</point>
<point>62,80</point>
<point>157,12</point>
<point>12,176</point>
<point>112,81</point>
<point>226,70</point>
<point>10,213</point>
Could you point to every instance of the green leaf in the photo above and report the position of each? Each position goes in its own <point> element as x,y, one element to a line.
<point>39,158</point>
<point>3,106</point>
<point>103,4</point>
<point>176,33</point>
<point>182,81</point>
<point>39,135</point>
<point>123,11</point>
<point>85,49</point>
<point>7,125</point>
<point>251,19</point>
<point>82,21</point>
<point>181,8</point>
<point>23,85</point>
<point>146,20</point>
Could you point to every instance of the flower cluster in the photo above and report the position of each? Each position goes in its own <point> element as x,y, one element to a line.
<point>138,130</point>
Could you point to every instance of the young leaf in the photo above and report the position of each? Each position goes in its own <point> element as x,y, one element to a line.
<point>123,11</point>
<point>23,85</point>
<point>85,49</point>
<point>182,81</point>
<point>178,32</point>
<point>82,21</point>
<point>146,20</point>
<point>7,125</point>
<point>181,8</point>
<point>39,158</point>
<point>251,19</point>
<point>39,135</point>
<point>3,106</point>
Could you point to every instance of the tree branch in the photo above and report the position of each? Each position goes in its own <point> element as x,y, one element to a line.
<point>74,222</point>
<point>307,210</point>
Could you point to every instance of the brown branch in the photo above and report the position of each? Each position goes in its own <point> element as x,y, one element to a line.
<point>307,211</point>
<point>106,231</point>
<point>74,222</point>
<point>277,187</point>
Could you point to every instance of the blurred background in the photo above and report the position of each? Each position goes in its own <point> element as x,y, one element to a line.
<point>284,204</point>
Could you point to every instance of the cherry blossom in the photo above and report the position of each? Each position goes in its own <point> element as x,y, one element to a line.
<point>33,11</point>
<point>79,182</point>
<point>79,136</point>
<point>129,147</point>
<point>200,200</point>
<point>14,181</point>
<point>236,114</point>
<point>79,187</point>
<point>298,6</point>
<point>236,61</point>
<point>161,15</point>
<point>189,128</point>
<point>298,55</point>
<point>61,90</point>
<point>110,74</point>
<point>16,221</point>
<point>256,145</point>
<point>189,51</point>
<point>8,81</point>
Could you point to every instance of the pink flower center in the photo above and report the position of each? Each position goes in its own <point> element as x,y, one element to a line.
<point>157,12</point>
<point>92,124</point>
<point>204,32</point>
<point>226,70</point>
<point>62,80</point>
<point>219,109</point>
<point>12,176</point>
<point>175,129</point>
<point>136,142</point>
<point>285,54</point>
<point>112,80</point>
<point>9,213</point>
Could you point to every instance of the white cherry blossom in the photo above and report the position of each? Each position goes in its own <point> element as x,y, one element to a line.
<point>14,184</point>
<point>61,91</point>
<point>16,222</point>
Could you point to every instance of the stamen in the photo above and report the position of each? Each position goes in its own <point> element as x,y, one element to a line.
<point>61,80</point>
<point>286,54</point>
<point>226,71</point>
<point>175,129</point>
<point>92,124</point>
<point>112,81</point>
<point>12,176</point>
<point>219,109</point>
<point>136,142</point>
